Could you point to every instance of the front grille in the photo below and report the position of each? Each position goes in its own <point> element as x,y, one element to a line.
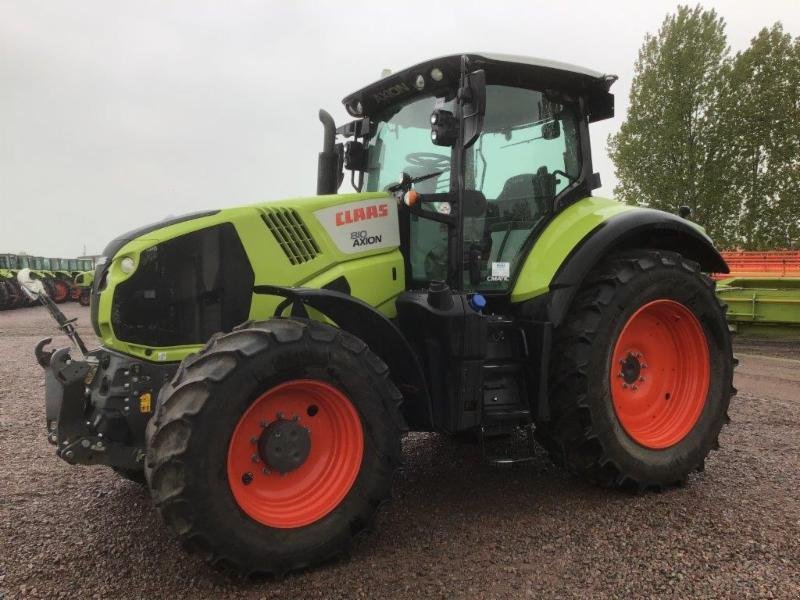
<point>185,289</point>
<point>291,234</point>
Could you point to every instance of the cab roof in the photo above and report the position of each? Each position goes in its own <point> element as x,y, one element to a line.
<point>503,69</point>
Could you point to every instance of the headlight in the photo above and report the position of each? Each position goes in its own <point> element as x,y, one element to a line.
<point>127,264</point>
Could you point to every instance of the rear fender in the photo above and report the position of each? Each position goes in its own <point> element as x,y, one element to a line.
<point>594,228</point>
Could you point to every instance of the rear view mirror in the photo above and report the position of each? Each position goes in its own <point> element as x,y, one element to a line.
<point>355,156</point>
<point>474,95</point>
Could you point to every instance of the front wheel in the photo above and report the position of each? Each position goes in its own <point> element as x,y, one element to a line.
<point>641,373</point>
<point>274,446</point>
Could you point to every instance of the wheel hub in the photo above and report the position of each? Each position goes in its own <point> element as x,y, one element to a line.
<point>284,445</point>
<point>631,368</point>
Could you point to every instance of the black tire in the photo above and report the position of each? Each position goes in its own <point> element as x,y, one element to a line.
<point>5,299</point>
<point>584,434</point>
<point>196,413</point>
<point>134,475</point>
<point>48,284</point>
<point>85,299</point>
<point>18,298</point>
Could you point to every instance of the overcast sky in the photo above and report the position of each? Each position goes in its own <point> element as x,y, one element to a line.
<point>116,114</point>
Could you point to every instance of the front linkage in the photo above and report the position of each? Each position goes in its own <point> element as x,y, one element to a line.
<point>97,406</point>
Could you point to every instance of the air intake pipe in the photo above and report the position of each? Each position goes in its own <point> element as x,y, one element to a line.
<point>328,163</point>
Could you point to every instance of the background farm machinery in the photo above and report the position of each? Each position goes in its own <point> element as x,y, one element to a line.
<point>762,292</point>
<point>64,279</point>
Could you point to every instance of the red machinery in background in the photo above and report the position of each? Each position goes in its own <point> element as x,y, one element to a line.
<point>778,263</point>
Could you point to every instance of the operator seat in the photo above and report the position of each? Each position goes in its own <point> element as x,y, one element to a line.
<point>528,196</point>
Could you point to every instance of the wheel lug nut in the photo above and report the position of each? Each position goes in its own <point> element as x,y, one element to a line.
<point>641,379</point>
<point>253,440</point>
<point>620,374</point>
<point>247,478</point>
<point>644,366</point>
<point>295,418</point>
<point>634,388</point>
<point>279,415</point>
<point>255,458</point>
<point>264,424</point>
<point>265,471</point>
<point>625,385</point>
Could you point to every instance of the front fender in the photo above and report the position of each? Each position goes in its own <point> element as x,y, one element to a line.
<point>374,329</point>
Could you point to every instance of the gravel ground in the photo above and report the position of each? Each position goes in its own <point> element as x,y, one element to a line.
<point>455,529</point>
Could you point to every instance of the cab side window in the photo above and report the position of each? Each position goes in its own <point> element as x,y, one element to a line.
<point>526,155</point>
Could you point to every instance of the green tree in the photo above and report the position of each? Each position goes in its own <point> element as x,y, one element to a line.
<point>759,118</point>
<point>665,149</point>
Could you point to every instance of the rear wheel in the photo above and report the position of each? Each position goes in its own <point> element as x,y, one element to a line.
<point>85,298</point>
<point>641,373</point>
<point>275,445</point>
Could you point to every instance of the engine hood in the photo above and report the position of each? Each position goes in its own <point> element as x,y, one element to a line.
<point>163,288</point>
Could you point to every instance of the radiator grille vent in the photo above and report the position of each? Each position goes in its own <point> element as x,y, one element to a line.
<point>291,234</point>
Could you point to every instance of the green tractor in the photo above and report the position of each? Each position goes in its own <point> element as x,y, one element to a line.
<point>11,296</point>
<point>260,364</point>
<point>56,279</point>
<point>54,284</point>
<point>64,272</point>
<point>11,293</point>
<point>83,283</point>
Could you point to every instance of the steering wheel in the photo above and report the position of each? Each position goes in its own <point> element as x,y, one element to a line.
<point>429,160</point>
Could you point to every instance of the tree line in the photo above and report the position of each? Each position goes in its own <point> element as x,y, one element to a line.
<point>716,132</point>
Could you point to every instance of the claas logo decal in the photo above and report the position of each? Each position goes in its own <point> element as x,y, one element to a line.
<point>354,215</point>
<point>361,226</point>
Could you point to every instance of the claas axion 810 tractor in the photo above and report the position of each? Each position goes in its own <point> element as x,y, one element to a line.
<point>259,364</point>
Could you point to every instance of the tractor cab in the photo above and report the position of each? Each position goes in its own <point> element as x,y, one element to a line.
<point>482,150</point>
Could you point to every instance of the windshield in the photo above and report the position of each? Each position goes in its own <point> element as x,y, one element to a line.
<point>527,154</point>
<point>402,144</point>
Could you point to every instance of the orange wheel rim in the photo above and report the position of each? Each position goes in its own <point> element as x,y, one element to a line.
<point>295,453</point>
<point>660,373</point>
<point>61,290</point>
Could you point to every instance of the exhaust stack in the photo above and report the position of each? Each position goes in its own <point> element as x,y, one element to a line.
<point>328,163</point>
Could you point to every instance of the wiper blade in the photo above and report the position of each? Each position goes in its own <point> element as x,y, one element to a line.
<point>426,177</point>
<point>407,181</point>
